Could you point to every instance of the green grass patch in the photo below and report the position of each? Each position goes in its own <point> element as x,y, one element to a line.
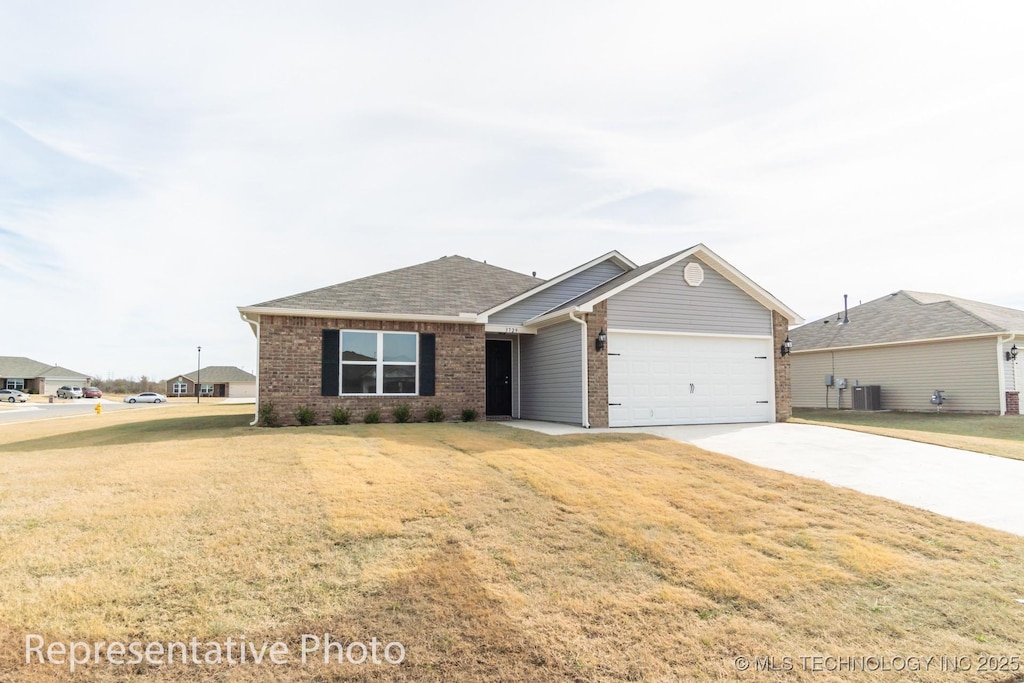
<point>986,426</point>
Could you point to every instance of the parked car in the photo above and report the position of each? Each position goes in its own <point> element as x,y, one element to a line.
<point>69,392</point>
<point>145,397</point>
<point>13,396</point>
<point>91,392</point>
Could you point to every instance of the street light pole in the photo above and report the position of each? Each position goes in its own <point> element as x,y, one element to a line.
<point>199,364</point>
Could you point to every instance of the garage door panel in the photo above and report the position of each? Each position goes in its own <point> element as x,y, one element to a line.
<point>672,379</point>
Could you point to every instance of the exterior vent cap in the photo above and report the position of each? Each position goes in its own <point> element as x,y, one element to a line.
<point>693,274</point>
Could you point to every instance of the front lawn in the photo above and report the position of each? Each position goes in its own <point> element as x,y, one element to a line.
<point>490,553</point>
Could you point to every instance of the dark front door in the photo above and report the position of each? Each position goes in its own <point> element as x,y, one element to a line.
<point>499,377</point>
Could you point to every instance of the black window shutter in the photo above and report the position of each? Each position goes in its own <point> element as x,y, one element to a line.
<point>329,363</point>
<point>428,344</point>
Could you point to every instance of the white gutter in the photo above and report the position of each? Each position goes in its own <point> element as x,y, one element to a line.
<point>905,342</point>
<point>465,318</point>
<point>255,325</point>
<point>586,374</point>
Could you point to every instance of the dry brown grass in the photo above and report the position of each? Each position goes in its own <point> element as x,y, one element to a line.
<point>490,553</point>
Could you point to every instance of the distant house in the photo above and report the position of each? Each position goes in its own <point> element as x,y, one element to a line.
<point>33,377</point>
<point>685,339</point>
<point>909,344</point>
<point>225,381</point>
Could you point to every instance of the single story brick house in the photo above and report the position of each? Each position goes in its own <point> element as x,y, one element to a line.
<point>908,344</point>
<point>33,377</point>
<point>685,339</point>
<point>215,380</point>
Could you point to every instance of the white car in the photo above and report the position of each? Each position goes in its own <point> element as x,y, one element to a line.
<point>13,396</point>
<point>69,392</point>
<point>145,397</point>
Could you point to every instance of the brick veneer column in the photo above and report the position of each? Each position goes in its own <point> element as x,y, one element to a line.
<point>783,399</point>
<point>290,360</point>
<point>597,366</point>
<point>1013,403</point>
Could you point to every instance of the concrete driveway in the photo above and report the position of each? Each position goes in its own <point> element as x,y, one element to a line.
<point>973,487</point>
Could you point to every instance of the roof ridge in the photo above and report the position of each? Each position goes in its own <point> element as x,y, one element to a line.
<point>951,301</point>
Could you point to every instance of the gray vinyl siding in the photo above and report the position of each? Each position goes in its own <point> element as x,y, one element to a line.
<point>908,374</point>
<point>664,302</point>
<point>569,289</point>
<point>552,374</point>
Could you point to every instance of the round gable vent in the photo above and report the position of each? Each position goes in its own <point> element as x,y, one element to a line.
<point>693,274</point>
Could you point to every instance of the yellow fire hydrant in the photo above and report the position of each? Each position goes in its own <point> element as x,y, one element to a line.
<point>99,408</point>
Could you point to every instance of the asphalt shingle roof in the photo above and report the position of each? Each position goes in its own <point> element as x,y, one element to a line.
<point>447,286</point>
<point>26,368</point>
<point>907,316</point>
<point>219,374</point>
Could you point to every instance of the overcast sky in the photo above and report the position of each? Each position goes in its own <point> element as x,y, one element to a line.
<point>162,163</point>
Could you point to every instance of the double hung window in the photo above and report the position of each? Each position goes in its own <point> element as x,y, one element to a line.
<point>378,362</point>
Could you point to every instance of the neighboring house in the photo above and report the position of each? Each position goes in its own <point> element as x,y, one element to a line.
<point>910,344</point>
<point>685,339</point>
<point>216,380</point>
<point>33,377</point>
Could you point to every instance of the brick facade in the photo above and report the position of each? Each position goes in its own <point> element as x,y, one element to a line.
<point>783,398</point>
<point>1013,403</point>
<point>597,367</point>
<point>290,368</point>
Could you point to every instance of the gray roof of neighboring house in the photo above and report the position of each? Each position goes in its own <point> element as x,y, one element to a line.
<point>219,374</point>
<point>446,286</point>
<point>26,368</point>
<point>907,316</point>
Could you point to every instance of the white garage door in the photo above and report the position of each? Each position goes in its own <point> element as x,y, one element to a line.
<point>656,379</point>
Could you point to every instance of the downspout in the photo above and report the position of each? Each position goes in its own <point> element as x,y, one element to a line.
<point>1000,344</point>
<point>586,374</point>
<point>255,325</point>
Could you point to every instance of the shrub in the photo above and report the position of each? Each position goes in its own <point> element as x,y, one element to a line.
<point>435,414</point>
<point>340,415</point>
<point>372,417</point>
<point>305,416</point>
<point>469,414</point>
<point>268,415</point>
<point>402,413</point>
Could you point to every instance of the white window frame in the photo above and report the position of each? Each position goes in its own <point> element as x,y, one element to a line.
<point>378,363</point>
<point>206,390</point>
<point>15,383</point>
<point>179,389</point>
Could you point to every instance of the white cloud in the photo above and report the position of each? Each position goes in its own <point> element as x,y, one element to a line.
<point>166,163</point>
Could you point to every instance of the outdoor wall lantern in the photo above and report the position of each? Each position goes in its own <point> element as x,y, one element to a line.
<point>1012,353</point>
<point>601,339</point>
<point>786,347</point>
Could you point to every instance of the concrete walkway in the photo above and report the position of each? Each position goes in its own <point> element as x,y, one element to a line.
<point>973,487</point>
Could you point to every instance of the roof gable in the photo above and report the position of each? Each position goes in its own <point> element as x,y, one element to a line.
<point>609,289</point>
<point>559,289</point>
<point>906,316</point>
<point>448,286</point>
